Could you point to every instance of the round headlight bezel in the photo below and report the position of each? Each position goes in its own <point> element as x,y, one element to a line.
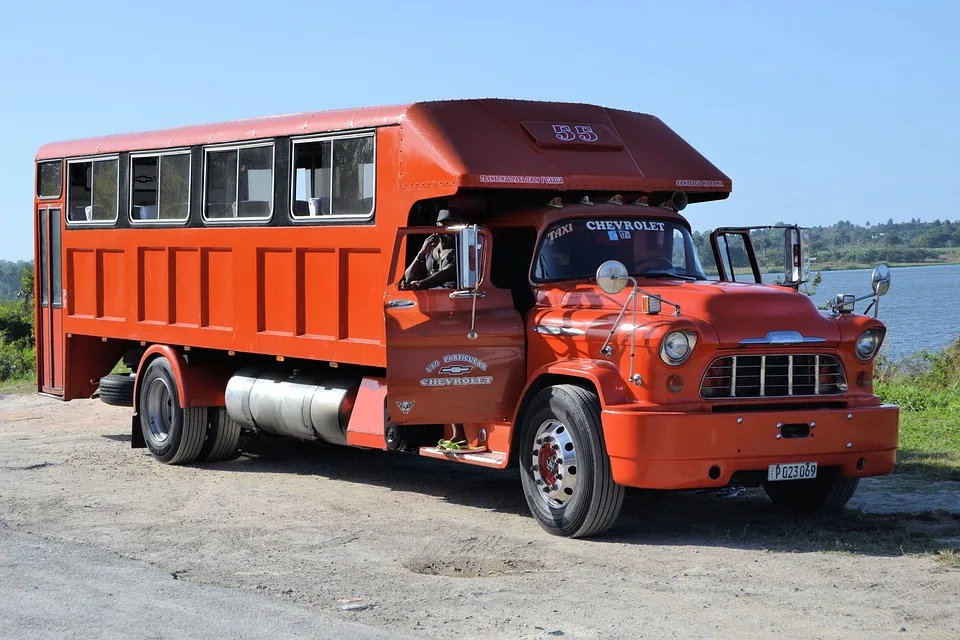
<point>690,339</point>
<point>875,336</point>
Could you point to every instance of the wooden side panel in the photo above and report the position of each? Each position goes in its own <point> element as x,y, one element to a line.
<point>81,283</point>
<point>276,291</point>
<point>152,292</point>
<point>185,287</point>
<point>359,293</point>
<point>317,290</point>
<point>216,288</point>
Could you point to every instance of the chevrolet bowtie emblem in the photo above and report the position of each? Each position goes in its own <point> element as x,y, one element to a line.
<point>456,370</point>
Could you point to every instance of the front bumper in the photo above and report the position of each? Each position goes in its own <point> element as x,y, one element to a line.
<point>664,450</point>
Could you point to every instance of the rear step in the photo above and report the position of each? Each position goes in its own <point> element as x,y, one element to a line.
<point>492,459</point>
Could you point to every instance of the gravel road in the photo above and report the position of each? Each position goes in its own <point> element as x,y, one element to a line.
<point>292,539</point>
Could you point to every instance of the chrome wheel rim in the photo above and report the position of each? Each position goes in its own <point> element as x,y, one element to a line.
<point>159,409</point>
<point>554,463</point>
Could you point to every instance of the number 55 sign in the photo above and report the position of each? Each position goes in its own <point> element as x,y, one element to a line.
<point>563,134</point>
<point>568,133</point>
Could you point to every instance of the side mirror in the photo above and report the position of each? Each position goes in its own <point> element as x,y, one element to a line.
<point>612,276</point>
<point>796,267</point>
<point>468,257</point>
<point>881,279</point>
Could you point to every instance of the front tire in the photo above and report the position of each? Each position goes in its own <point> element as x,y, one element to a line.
<point>829,493</point>
<point>565,470</point>
<point>173,435</point>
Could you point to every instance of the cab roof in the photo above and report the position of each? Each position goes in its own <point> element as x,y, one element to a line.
<point>479,143</point>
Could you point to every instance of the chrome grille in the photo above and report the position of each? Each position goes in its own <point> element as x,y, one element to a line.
<point>774,376</point>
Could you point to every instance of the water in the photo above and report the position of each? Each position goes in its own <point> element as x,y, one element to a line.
<point>921,310</point>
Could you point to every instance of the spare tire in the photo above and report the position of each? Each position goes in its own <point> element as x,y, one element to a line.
<point>117,389</point>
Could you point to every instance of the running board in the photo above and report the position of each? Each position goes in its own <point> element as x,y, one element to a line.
<point>491,459</point>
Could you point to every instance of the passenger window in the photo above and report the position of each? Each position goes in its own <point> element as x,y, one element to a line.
<point>160,187</point>
<point>334,177</point>
<point>49,179</point>
<point>92,191</point>
<point>239,183</point>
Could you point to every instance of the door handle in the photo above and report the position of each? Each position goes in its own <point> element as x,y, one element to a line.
<point>465,294</point>
<point>401,304</point>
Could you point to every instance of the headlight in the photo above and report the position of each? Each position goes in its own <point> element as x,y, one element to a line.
<point>868,343</point>
<point>677,347</point>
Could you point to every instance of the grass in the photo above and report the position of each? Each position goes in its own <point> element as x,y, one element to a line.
<point>948,558</point>
<point>927,388</point>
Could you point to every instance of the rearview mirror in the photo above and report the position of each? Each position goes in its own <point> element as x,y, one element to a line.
<point>796,266</point>
<point>612,276</point>
<point>468,257</point>
<point>881,279</point>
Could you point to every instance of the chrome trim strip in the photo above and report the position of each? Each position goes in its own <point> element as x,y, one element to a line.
<point>763,376</point>
<point>733,378</point>
<point>557,330</point>
<point>816,372</point>
<point>784,337</point>
<point>789,374</point>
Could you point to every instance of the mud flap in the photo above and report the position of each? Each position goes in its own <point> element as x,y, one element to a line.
<point>136,433</point>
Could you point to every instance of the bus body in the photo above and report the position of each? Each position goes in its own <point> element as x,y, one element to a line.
<point>250,273</point>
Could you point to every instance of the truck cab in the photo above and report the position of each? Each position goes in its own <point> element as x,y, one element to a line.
<point>595,341</point>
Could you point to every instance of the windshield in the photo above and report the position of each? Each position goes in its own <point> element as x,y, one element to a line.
<point>573,249</point>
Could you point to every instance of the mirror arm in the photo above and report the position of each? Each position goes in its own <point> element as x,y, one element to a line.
<point>605,349</point>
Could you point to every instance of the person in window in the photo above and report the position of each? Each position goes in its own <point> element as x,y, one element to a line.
<point>435,265</point>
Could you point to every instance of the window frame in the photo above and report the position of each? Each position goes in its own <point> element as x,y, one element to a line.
<point>60,192</point>
<point>273,182</point>
<point>157,154</point>
<point>92,223</point>
<point>332,218</point>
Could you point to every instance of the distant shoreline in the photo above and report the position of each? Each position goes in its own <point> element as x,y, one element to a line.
<point>852,266</point>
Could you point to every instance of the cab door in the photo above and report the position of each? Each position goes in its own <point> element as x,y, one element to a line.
<point>49,290</point>
<point>438,370</point>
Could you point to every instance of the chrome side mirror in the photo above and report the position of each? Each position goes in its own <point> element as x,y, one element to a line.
<point>468,261</point>
<point>796,267</point>
<point>881,279</point>
<point>612,276</point>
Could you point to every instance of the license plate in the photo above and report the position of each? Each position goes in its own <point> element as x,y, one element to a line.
<point>792,471</point>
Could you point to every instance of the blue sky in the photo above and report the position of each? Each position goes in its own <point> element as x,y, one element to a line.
<point>818,111</point>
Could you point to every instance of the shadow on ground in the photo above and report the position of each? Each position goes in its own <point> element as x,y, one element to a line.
<point>648,517</point>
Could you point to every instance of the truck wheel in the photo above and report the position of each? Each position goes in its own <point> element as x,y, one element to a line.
<point>565,470</point>
<point>223,434</point>
<point>830,493</point>
<point>117,390</point>
<point>173,435</point>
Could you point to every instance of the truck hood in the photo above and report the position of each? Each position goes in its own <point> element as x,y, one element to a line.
<point>735,311</point>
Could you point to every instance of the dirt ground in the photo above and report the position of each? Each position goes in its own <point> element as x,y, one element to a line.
<point>428,549</point>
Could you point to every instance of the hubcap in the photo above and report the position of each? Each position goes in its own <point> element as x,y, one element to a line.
<point>554,463</point>
<point>159,409</point>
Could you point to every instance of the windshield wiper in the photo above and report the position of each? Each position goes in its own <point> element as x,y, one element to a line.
<point>666,274</point>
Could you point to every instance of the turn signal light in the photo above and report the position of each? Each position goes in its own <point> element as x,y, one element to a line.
<point>674,384</point>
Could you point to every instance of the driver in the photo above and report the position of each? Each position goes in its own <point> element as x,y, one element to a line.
<point>435,265</point>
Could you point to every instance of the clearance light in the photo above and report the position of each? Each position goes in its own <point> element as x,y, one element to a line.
<point>586,200</point>
<point>556,203</point>
<point>617,200</point>
<point>649,305</point>
<point>642,201</point>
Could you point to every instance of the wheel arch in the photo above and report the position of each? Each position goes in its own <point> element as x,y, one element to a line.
<point>197,385</point>
<point>599,377</point>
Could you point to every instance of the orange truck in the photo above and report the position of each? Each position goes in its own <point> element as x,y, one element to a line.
<point>489,282</point>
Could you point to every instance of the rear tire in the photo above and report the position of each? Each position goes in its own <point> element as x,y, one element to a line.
<point>117,390</point>
<point>830,493</point>
<point>223,434</point>
<point>564,467</point>
<point>172,434</point>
